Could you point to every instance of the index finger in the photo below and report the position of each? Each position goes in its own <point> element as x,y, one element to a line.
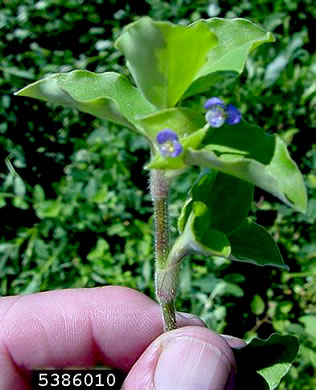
<point>75,328</point>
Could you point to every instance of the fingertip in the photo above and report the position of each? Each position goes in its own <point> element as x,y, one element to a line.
<point>186,358</point>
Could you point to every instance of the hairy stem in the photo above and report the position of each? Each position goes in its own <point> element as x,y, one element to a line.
<point>165,278</point>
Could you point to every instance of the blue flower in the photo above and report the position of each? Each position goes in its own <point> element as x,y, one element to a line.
<point>214,101</point>
<point>218,113</point>
<point>169,143</point>
<point>233,115</point>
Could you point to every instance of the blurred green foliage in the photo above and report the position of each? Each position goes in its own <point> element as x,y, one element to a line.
<point>74,203</point>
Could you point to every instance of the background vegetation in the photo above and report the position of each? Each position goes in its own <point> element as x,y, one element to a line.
<point>74,203</point>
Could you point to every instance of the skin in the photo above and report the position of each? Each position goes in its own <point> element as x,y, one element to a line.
<point>113,326</point>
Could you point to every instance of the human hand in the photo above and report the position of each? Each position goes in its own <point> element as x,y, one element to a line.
<point>113,326</point>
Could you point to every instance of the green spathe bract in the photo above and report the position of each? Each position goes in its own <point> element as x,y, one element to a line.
<point>246,152</point>
<point>169,63</point>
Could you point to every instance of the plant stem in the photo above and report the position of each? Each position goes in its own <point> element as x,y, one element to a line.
<point>165,278</point>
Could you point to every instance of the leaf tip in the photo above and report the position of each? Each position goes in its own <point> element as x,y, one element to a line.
<point>19,92</point>
<point>300,204</point>
<point>284,267</point>
<point>270,37</point>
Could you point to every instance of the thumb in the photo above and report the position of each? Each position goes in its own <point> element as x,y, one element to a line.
<point>189,358</point>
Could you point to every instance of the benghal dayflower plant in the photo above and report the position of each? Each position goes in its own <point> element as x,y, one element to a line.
<point>168,64</point>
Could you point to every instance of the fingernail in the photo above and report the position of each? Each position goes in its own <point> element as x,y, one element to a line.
<point>234,342</point>
<point>187,316</point>
<point>191,317</point>
<point>187,363</point>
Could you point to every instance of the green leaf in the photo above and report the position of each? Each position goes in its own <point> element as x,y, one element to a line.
<point>253,244</point>
<point>49,209</point>
<point>164,58</point>
<point>237,38</point>
<point>20,203</point>
<point>185,214</point>
<point>241,140</point>
<point>199,237</point>
<point>212,208</point>
<point>2,200</point>
<point>310,324</point>
<point>227,198</point>
<point>99,251</point>
<point>248,153</point>
<point>257,305</point>
<point>19,186</point>
<point>182,121</point>
<point>263,363</point>
<point>232,289</point>
<point>38,194</point>
<point>104,95</point>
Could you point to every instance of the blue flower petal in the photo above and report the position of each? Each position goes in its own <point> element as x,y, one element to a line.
<point>213,101</point>
<point>233,115</point>
<point>216,116</point>
<point>177,149</point>
<point>166,135</point>
<point>170,149</point>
